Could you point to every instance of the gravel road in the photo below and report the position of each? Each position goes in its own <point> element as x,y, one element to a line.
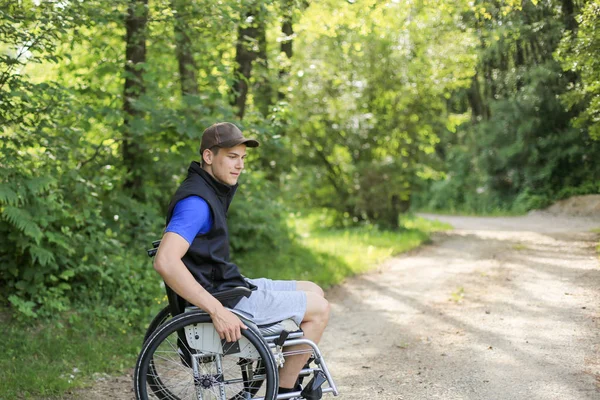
<point>497,309</point>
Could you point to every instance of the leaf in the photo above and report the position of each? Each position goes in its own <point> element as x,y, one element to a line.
<point>7,195</point>
<point>41,255</point>
<point>59,240</point>
<point>65,275</point>
<point>40,184</point>
<point>24,307</point>
<point>23,221</point>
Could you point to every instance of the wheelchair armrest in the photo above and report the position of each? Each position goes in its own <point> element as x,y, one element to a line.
<point>233,293</point>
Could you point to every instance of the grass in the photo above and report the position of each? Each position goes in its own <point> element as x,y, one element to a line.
<point>596,230</point>
<point>361,249</point>
<point>48,359</point>
<point>458,295</point>
<point>327,256</point>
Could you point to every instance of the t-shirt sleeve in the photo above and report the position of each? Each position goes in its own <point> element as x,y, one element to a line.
<point>191,217</point>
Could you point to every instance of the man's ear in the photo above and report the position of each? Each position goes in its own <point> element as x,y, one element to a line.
<point>207,156</point>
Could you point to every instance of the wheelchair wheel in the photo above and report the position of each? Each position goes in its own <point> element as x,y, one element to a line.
<point>153,378</point>
<point>182,359</point>
<point>160,318</point>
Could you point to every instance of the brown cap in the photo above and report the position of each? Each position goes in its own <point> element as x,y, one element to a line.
<point>224,134</point>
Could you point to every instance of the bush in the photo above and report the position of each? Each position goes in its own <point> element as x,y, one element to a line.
<point>384,192</point>
<point>527,201</point>
<point>257,218</point>
<point>67,235</point>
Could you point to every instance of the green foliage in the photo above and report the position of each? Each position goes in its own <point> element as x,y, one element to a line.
<point>526,201</point>
<point>56,217</point>
<point>519,150</point>
<point>383,192</point>
<point>578,53</point>
<point>256,218</point>
<point>66,352</point>
<point>381,106</point>
<point>450,105</point>
<point>362,132</point>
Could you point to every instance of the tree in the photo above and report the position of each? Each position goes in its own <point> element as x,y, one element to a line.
<point>523,151</point>
<point>362,124</point>
<point>250,46</point>
<point>578,53</point>
<point>57,245</point>
<point>135,59</point>
<point>188,70</point>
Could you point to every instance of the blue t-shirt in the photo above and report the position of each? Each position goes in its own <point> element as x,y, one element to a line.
<point>191,217</point>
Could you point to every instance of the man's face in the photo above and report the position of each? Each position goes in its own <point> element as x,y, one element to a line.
<point>227,165</point>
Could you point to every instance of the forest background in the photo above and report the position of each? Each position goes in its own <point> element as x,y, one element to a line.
<point>365,110</point>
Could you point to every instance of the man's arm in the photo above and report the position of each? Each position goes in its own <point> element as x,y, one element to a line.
<point>176,275</point>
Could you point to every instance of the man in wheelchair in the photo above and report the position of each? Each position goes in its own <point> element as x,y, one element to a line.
<point>193,255</point>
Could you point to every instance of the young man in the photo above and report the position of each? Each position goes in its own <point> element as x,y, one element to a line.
<point>193,256</point>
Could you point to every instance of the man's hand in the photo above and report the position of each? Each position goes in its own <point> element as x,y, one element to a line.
<point>227,324</point>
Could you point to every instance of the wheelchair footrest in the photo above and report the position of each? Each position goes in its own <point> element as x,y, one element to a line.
<point>313,390</point>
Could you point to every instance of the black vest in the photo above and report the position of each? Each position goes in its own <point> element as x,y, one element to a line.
<point>208,255</point>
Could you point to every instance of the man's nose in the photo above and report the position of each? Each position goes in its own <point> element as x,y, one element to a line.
<point>240,164</point>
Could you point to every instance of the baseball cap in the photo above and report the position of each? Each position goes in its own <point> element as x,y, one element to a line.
<point>224,134</point>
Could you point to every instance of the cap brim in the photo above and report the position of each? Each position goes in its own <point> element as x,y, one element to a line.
<point>235,142</point>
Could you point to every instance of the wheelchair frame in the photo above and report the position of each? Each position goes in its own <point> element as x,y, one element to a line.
<point>191,326</point>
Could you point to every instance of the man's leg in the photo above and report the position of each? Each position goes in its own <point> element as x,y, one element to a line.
<point>313,324</point>
<point>307,286</point>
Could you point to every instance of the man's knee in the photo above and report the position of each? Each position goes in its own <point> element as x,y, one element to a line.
<point>307,286</point>
<point>317,308</point>
<point>326,311</point>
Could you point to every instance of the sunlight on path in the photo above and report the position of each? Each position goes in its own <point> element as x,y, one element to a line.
<point>500,308</point>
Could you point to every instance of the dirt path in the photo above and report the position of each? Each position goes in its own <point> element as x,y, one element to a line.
<point>499,308</point>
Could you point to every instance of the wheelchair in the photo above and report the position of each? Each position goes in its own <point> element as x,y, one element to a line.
<point>183,357</point>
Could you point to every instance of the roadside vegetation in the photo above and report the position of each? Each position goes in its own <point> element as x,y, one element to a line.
<point>49,357</point>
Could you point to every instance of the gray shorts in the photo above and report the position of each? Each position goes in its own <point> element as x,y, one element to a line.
<point>273,301</point>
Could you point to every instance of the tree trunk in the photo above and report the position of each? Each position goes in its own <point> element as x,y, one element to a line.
<point>287,30</point>
<point>135,57</point>
<point>263,97</point>
<point>478,107</point>
<point>568,11</point>
<point>394,211</point>
<point>247,51</point>
<point>183,48</point>
<point>519,62</point>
